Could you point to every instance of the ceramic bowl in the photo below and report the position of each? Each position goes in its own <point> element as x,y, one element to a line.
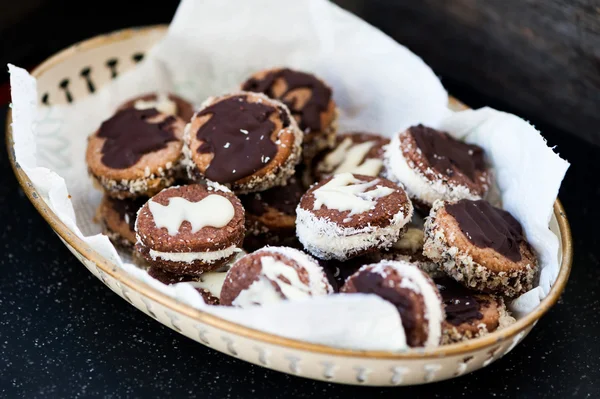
<point>80,71</point>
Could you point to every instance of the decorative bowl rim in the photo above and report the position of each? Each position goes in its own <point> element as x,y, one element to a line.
<point>203,317</point>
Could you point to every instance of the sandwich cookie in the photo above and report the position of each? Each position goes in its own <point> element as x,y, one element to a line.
<point>411,291</point>
<point>349,215</point>
<point>480,246</point>
<point>272,275</point>
<point>190,229</point>
<point>470,314</point>
<point>245,141</point>
<point>432,165</point>
<point>136,153</point>
<point>309,100</point>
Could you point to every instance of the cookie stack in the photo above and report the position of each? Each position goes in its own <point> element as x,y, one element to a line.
<point>263,170</point>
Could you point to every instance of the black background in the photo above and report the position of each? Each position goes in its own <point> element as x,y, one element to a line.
<point>64,334</point>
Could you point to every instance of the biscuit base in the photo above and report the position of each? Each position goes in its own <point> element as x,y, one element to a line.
<point>461,267</point>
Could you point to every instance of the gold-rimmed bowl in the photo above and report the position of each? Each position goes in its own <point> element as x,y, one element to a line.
<point>81,70</point>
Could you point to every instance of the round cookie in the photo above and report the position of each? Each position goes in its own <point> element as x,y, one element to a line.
<point>350,215</point>
<point>409,248</point>
<point>433,165</point>
<point>482,247</point>
<point>360,153</point>
<point>168,104</point>
<point>271,215</point>
<point>118,219</point>
<point>309,100</point>
<point>414,294</point>
<point>136,152</point>
<point>245,141</point>
<point>271,275</point>
<point>470,314</point>
<point>208,284</point>
<point>190,229</point>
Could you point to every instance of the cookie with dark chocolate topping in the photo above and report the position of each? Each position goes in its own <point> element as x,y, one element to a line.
<point>136,153</point>
<point>309,99</point>
<point>411,291</point>
<point>245,141</point>
<point>433,165</point>
<point>118,219</point>
<point>357,152</point>
<point>470,314</point>
<point>168,104</point>
<point>190,229</point>
<point>480,246</point>
<point>350,215</point>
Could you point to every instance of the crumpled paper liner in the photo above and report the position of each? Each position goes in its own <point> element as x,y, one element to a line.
<point>379,85</point>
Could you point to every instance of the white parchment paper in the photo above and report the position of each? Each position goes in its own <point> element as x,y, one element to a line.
<point>379,85</point>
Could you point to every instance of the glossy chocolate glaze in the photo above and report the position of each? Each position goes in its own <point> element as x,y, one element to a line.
<point>444,152</point>
<point>129,136</point>
<point>238,134</point>
<point>488,227</point>
<point>310,113</point>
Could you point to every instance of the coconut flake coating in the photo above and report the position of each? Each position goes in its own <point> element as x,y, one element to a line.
<point>448,170</point>
<point>350,215</point>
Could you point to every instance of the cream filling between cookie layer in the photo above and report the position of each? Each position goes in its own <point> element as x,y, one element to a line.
<point>327,240</point>
<point>417,185</point>
<point>189,257</point>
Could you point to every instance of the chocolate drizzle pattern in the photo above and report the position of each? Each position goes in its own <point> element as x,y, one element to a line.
<point>283,198</point>
<point>444,153</point>
<point>488,227</point>
<point>310,113</point>
<point>460,304</point>
<point>127,209</point>
<point>373,283</point>
<point>129,136</point>
<point>238,134</point>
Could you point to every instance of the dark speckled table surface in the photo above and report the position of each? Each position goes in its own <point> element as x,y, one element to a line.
<point>64,334</point>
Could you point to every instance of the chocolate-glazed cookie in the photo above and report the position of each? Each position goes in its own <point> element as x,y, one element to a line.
<point>309,100</point>
<point>433,165</point>
<point>271,215</point>
<point>470,314</point>
<point>411,291</point>
<point>135,153</point>
<point>480,246</point>
<point>272,275</point>
<point>168,104</point>
<point>190,229</point>
<point>409,248</point>
<point>350,215</point>
<point>245,141</point>
<point>118,219</point>
<point>360,153</point>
